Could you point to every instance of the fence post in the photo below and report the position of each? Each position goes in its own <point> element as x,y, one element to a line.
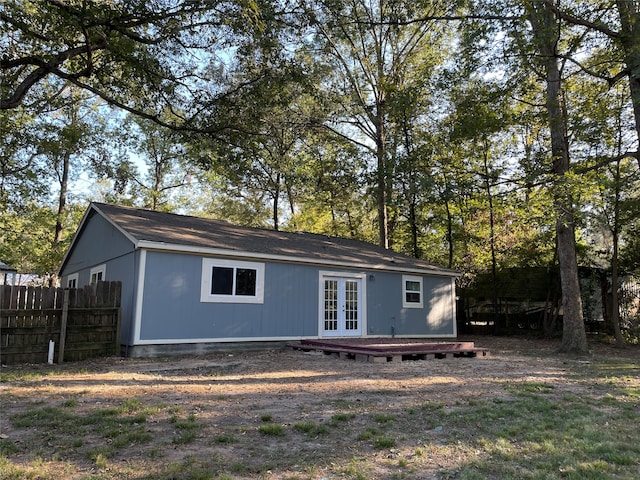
<point>63,325</point>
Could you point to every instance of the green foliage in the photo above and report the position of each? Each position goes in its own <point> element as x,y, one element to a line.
<point>120,426</point>
<point>187,429</point>
<point>310,428</point>
<point>384,441</point>
<point>307,120</point>
<point>272,429</point>
<point>26,238</point>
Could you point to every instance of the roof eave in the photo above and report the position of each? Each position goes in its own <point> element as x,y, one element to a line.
<point>85,217</point>
<point>221,252</point>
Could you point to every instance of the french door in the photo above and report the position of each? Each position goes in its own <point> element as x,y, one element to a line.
<point>341,306</point>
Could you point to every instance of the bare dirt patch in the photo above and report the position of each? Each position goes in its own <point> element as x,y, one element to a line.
<point>272,414</point>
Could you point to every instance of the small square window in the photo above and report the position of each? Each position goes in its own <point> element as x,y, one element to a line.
<point>411,292</point>
<point>72,280</point>
<point>97,274</point>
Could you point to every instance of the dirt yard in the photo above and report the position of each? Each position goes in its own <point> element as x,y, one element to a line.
<point>273,414</point>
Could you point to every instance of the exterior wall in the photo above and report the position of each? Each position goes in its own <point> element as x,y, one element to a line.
<point>123,269</point>
<point>172,312</point>
<point>100,243</point>
<point>387,317</point>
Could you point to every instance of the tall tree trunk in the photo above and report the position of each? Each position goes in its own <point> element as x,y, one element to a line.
<point>276,197</point>
<point>628,38</point>
<point>381,187</point>
<point>546,35</point>
<point>615,309</point>
<point>410,189</point>
<point>292,203</point>
<point>449,231</point>
<point>629,14</point>
<point>497,326</point>
<point>62,200</point>
<point>413,222</point>
<point>444,196</point>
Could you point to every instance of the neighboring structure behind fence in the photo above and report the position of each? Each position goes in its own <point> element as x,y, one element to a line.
<point>82,323</point>
<point>530,298</point>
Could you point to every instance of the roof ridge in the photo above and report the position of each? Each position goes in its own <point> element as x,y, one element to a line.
<point>251,227</point>
<point>175,230</point>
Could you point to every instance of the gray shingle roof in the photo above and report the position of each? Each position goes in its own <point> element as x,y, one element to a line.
<point>4,268</point>
<point>194,233</point>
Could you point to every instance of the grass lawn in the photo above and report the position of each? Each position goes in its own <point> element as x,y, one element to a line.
<point>523,412</point>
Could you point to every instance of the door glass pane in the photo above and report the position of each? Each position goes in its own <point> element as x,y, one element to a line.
<point>351,305</point>
<point>330,305</point>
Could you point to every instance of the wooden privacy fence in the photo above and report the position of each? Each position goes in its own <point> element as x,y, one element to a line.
<point>82,322</point>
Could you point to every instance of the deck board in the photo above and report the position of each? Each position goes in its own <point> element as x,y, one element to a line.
<point>380,351</point>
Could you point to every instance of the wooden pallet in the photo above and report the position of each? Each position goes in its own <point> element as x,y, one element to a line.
<point>377,351</point>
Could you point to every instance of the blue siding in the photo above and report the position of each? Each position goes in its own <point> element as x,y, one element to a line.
<point>124,269</point>
<point>101,243</point>
<point>172,310</point>
<point>98,242</point>
<point>386,316</point>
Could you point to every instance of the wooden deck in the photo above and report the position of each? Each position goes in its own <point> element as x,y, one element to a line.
<point>389,350</point>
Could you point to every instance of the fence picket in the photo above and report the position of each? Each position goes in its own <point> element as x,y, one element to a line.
<point>30,317</point>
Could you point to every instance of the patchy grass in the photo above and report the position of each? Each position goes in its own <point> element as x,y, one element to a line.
<point>272,429</point>
<point>529,415</point>
<point>186,429</point>
<point>311,428</point>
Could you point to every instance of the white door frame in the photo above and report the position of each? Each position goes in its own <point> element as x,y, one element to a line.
<point>362,303</point>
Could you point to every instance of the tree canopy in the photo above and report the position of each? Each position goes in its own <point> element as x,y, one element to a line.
<point>481,135</point>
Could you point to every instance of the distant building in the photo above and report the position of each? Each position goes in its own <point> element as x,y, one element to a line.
<point>5,272</point>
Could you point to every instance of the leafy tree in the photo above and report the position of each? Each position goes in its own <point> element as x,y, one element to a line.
<point>263,153</point>
<point>617,204</point>
<point>21,174</point>
<point>39,159</point>
<point>619,57</point>
<point>164,160</point>
<point>333,197</point>
<point>214,196</point>
<point>370,46</point>
<point>545,37</point>
<point>71,138</point>
<point>159,60</point>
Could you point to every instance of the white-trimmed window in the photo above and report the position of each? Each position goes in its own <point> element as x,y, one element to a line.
<point>411,291</point>
<point>97,274</point>
<point>231,281</point>
<point>72,280</point>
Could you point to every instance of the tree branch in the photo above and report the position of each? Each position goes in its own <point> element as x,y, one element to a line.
<point>580,21</point>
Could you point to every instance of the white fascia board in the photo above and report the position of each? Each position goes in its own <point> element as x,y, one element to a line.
<point>283,258</point>
<point>115,225</point>
<point>80,228</point>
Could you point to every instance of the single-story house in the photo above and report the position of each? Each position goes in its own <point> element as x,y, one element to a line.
<point>189,284</point>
